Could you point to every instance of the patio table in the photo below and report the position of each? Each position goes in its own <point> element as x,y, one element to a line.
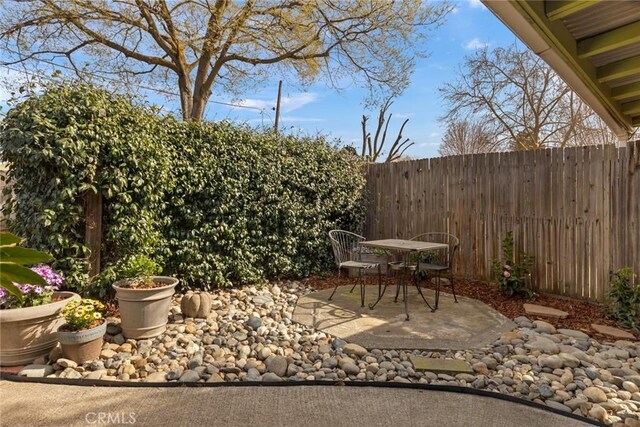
<point>406,247</point>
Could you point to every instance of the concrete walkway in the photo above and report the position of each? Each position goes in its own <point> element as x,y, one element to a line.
<point>454,326</point>
<point>26,404</point>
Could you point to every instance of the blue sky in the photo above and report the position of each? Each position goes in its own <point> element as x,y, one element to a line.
<point>318,108</point>
<point>471,26</point>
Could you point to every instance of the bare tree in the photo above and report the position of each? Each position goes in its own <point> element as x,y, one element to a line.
<point>372,149</point>
<point>468,137</point>
<point>202,45</point>
<point>523,98</point>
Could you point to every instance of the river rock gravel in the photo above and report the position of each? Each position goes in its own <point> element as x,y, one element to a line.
<point>250,336</point>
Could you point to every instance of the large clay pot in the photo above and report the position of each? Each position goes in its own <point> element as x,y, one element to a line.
<point>82,346</point>
<point>196,304</point>
<point>30,332</point>
<point>144,312</point>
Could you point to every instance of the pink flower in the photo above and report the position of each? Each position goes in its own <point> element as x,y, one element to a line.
<point>507,267</point>
<point>506,274</point>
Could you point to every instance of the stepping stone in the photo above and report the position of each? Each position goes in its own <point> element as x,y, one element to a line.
<point>441,366</point>
<point>612,332</point>
<point>542,311</point>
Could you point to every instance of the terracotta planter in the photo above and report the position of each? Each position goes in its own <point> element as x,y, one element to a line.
<point>30,332</point>
<point>82,346</point>
<point>144,312</point>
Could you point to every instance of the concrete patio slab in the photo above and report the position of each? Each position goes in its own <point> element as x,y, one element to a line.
<point>465,325</point>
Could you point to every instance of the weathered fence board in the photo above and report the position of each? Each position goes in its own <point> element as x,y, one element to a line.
<point>576,210</point>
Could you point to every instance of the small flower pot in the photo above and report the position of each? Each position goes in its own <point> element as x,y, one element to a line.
<point>82,346</point>
<point>144,312</point>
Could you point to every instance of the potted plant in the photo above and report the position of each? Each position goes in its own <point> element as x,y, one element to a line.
<point>81,335</point>
<point>144,298</point>
<point>30,303</point>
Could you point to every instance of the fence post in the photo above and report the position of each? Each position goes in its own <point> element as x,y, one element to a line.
<point>93,230</point>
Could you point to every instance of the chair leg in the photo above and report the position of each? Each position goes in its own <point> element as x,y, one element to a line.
<point>437,289</point>
<point>453,288</point>
<point>336,287</point>
<point>361,289</point>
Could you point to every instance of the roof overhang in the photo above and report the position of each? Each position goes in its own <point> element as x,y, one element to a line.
<point>594,46</point>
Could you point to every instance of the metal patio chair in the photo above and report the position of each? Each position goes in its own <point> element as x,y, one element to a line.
<point>437,262</point>
<point>347,252</point>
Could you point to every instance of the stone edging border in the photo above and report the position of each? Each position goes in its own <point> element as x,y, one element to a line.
<point>427,387</point>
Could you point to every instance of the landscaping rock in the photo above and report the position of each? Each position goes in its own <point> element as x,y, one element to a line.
<point>36,371</point>
<point>594,394</point>
<point>542,311</point>
<point>278,366</point>
<point>354,349</point>
<point>189,377</point>
<point>157,377</point>
<point>573,334</point>
<point>545,327</point>
<point>66,363</point>
<point>612,332</point>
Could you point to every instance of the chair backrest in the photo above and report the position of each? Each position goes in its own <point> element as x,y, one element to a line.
<point>440,257</point>
<point>344,244</point>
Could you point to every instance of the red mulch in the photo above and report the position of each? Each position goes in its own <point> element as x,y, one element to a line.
<point>581,313</point>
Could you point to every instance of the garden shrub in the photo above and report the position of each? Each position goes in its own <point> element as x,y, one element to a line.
<point>512,274</point>
<point>624,298</point>
<point>216,204</point>
<point>250,205</point>
<point>71,140</point>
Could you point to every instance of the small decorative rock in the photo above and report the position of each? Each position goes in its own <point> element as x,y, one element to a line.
<point>630,386</point>
<point>545,327</point>
<point>189,377</point>
<point>278,366</point>
<point>354,349</point>
<point>598,412</point>
<point>254,322</point>
<point>594,394</point>
<point>66,363</point>
<point>271,377</point>
<point>157,377</point>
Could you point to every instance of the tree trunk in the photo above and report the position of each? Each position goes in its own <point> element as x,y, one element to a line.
<point>186,97</point>
<point>199,102</point>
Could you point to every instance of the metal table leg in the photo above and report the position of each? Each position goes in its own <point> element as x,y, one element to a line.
<point>380,293</point>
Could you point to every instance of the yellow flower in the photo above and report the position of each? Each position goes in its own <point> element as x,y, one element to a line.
<point>97,315</point>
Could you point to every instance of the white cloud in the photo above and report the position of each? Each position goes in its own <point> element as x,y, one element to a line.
<point>287,104</point>
<point>429,144</point>
<point>434,134</point>
<point>476,4</point>
<point>475,44</point>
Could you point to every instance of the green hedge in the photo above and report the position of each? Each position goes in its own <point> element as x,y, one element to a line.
<point>72,140</point>
<point>217,204</point>
<point>251,205</point>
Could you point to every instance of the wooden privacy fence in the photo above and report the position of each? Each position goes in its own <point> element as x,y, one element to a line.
<point>576,210</point>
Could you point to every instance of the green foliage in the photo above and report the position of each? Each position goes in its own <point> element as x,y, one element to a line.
<point>13,260</point>
<point>69,141</point>
<point>249,206</point>
<point>216,204</point>
<point>512,274</point>
<point>624,298</point>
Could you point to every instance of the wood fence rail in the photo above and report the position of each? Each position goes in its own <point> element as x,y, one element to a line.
<point>576,210</point>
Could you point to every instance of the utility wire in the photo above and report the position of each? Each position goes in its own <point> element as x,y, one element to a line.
<point>144,87</point>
